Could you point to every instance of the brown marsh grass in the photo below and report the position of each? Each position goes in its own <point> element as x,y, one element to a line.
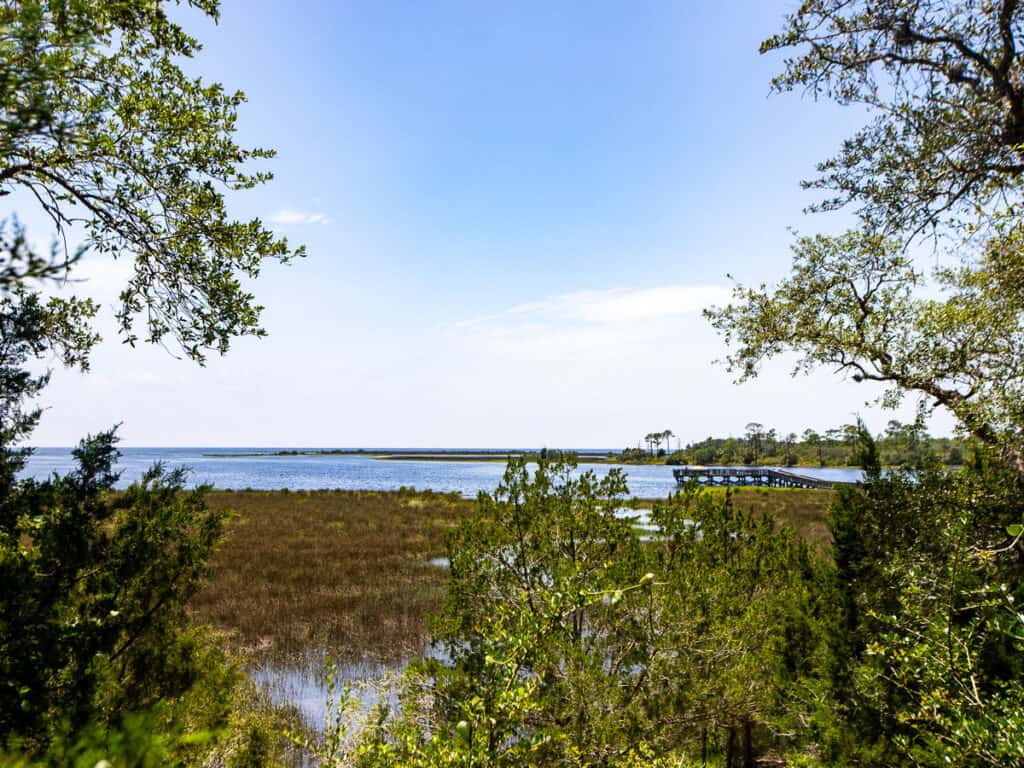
<point>341,572</point>
<point>348,573</point>
<point>804,509</point>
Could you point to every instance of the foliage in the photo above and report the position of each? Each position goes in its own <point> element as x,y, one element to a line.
<point>850,303</point>
<point>568,639</point>
<point>539,555</point>
<point>655,439</point>
<point>738,628</point>
<point>901,445</point>
<point>95,592</point>
<point>101,127</point>
<point>943,82</point>
<point>570,636</point>
<point>926,658</point>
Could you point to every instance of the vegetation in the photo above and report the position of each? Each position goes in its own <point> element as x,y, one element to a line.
<point>572,641</point>
<point>103,130</point>
<point>346,573</point>
<point>349,573</point>
<point>572,635</point>
<point>941,156</point>
<point>97,656</point>
<point>901,445</point>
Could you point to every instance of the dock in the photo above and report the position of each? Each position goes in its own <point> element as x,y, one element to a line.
<point>736,477</point>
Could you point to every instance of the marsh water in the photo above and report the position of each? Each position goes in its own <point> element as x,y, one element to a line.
<point>225,468</point>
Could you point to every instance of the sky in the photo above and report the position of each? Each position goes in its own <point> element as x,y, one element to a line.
<point>514,214</point>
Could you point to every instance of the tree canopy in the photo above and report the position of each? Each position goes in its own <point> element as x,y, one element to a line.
<point>100,126</point>
<point>943,83</point>
<point>942,154</point>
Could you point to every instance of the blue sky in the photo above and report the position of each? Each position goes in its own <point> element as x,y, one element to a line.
<point>513,212</point>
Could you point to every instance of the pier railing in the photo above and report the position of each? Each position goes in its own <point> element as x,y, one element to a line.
<point>735,477</point>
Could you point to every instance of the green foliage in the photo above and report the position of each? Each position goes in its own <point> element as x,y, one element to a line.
<point>927,655</point>
<point>102,127</point>
<point>97,658</point>
<point>943,82</point>
<point>95,591</point>
<point>572,637</point>
<point>568,638</point>
<point>738,630</point>
<point>537,577</point>
<point>901,445</point>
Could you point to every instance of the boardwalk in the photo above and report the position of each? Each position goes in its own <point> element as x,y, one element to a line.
<point>734,477</point>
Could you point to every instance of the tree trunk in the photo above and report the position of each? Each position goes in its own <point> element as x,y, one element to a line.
<point>748,744</point>
<point>730,748</point>
<point>704,746</point>
<point>1014,459</point>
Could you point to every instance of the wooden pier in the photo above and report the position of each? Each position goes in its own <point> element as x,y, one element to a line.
<point>736,477</point>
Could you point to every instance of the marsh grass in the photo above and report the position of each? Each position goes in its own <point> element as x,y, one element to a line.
<point>303,576</point>
<point>349,573</point>
<point>345,573</point>
<point>804,509</point>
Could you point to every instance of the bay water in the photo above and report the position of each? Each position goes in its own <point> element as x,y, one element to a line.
<point>227,468</point>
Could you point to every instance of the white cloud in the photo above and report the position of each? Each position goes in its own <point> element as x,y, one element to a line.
<point>590,313</point>
<point>286,216</point>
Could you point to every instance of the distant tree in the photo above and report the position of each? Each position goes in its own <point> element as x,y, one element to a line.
<point>851,434</point>
<point>755,439</point>
<point>731,451</point>
<point>790,443</point>
<point>813,439</point>
<point>667,436</point>
<point>834,436</point>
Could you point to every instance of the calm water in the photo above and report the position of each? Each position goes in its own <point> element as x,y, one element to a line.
<point>214,466</point>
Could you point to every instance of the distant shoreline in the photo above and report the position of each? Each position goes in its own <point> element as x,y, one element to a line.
<point>482,454</point>
<point>583,457</point>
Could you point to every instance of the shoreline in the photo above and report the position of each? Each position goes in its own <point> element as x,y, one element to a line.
<point>495,455</point>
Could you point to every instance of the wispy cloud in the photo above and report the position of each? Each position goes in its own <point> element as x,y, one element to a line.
<point>286,216</point>
<point>614,307</point>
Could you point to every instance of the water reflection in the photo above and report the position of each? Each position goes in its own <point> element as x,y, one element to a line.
<point>302,685</point>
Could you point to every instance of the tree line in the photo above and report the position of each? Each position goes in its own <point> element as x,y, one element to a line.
<point>900,444</point>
